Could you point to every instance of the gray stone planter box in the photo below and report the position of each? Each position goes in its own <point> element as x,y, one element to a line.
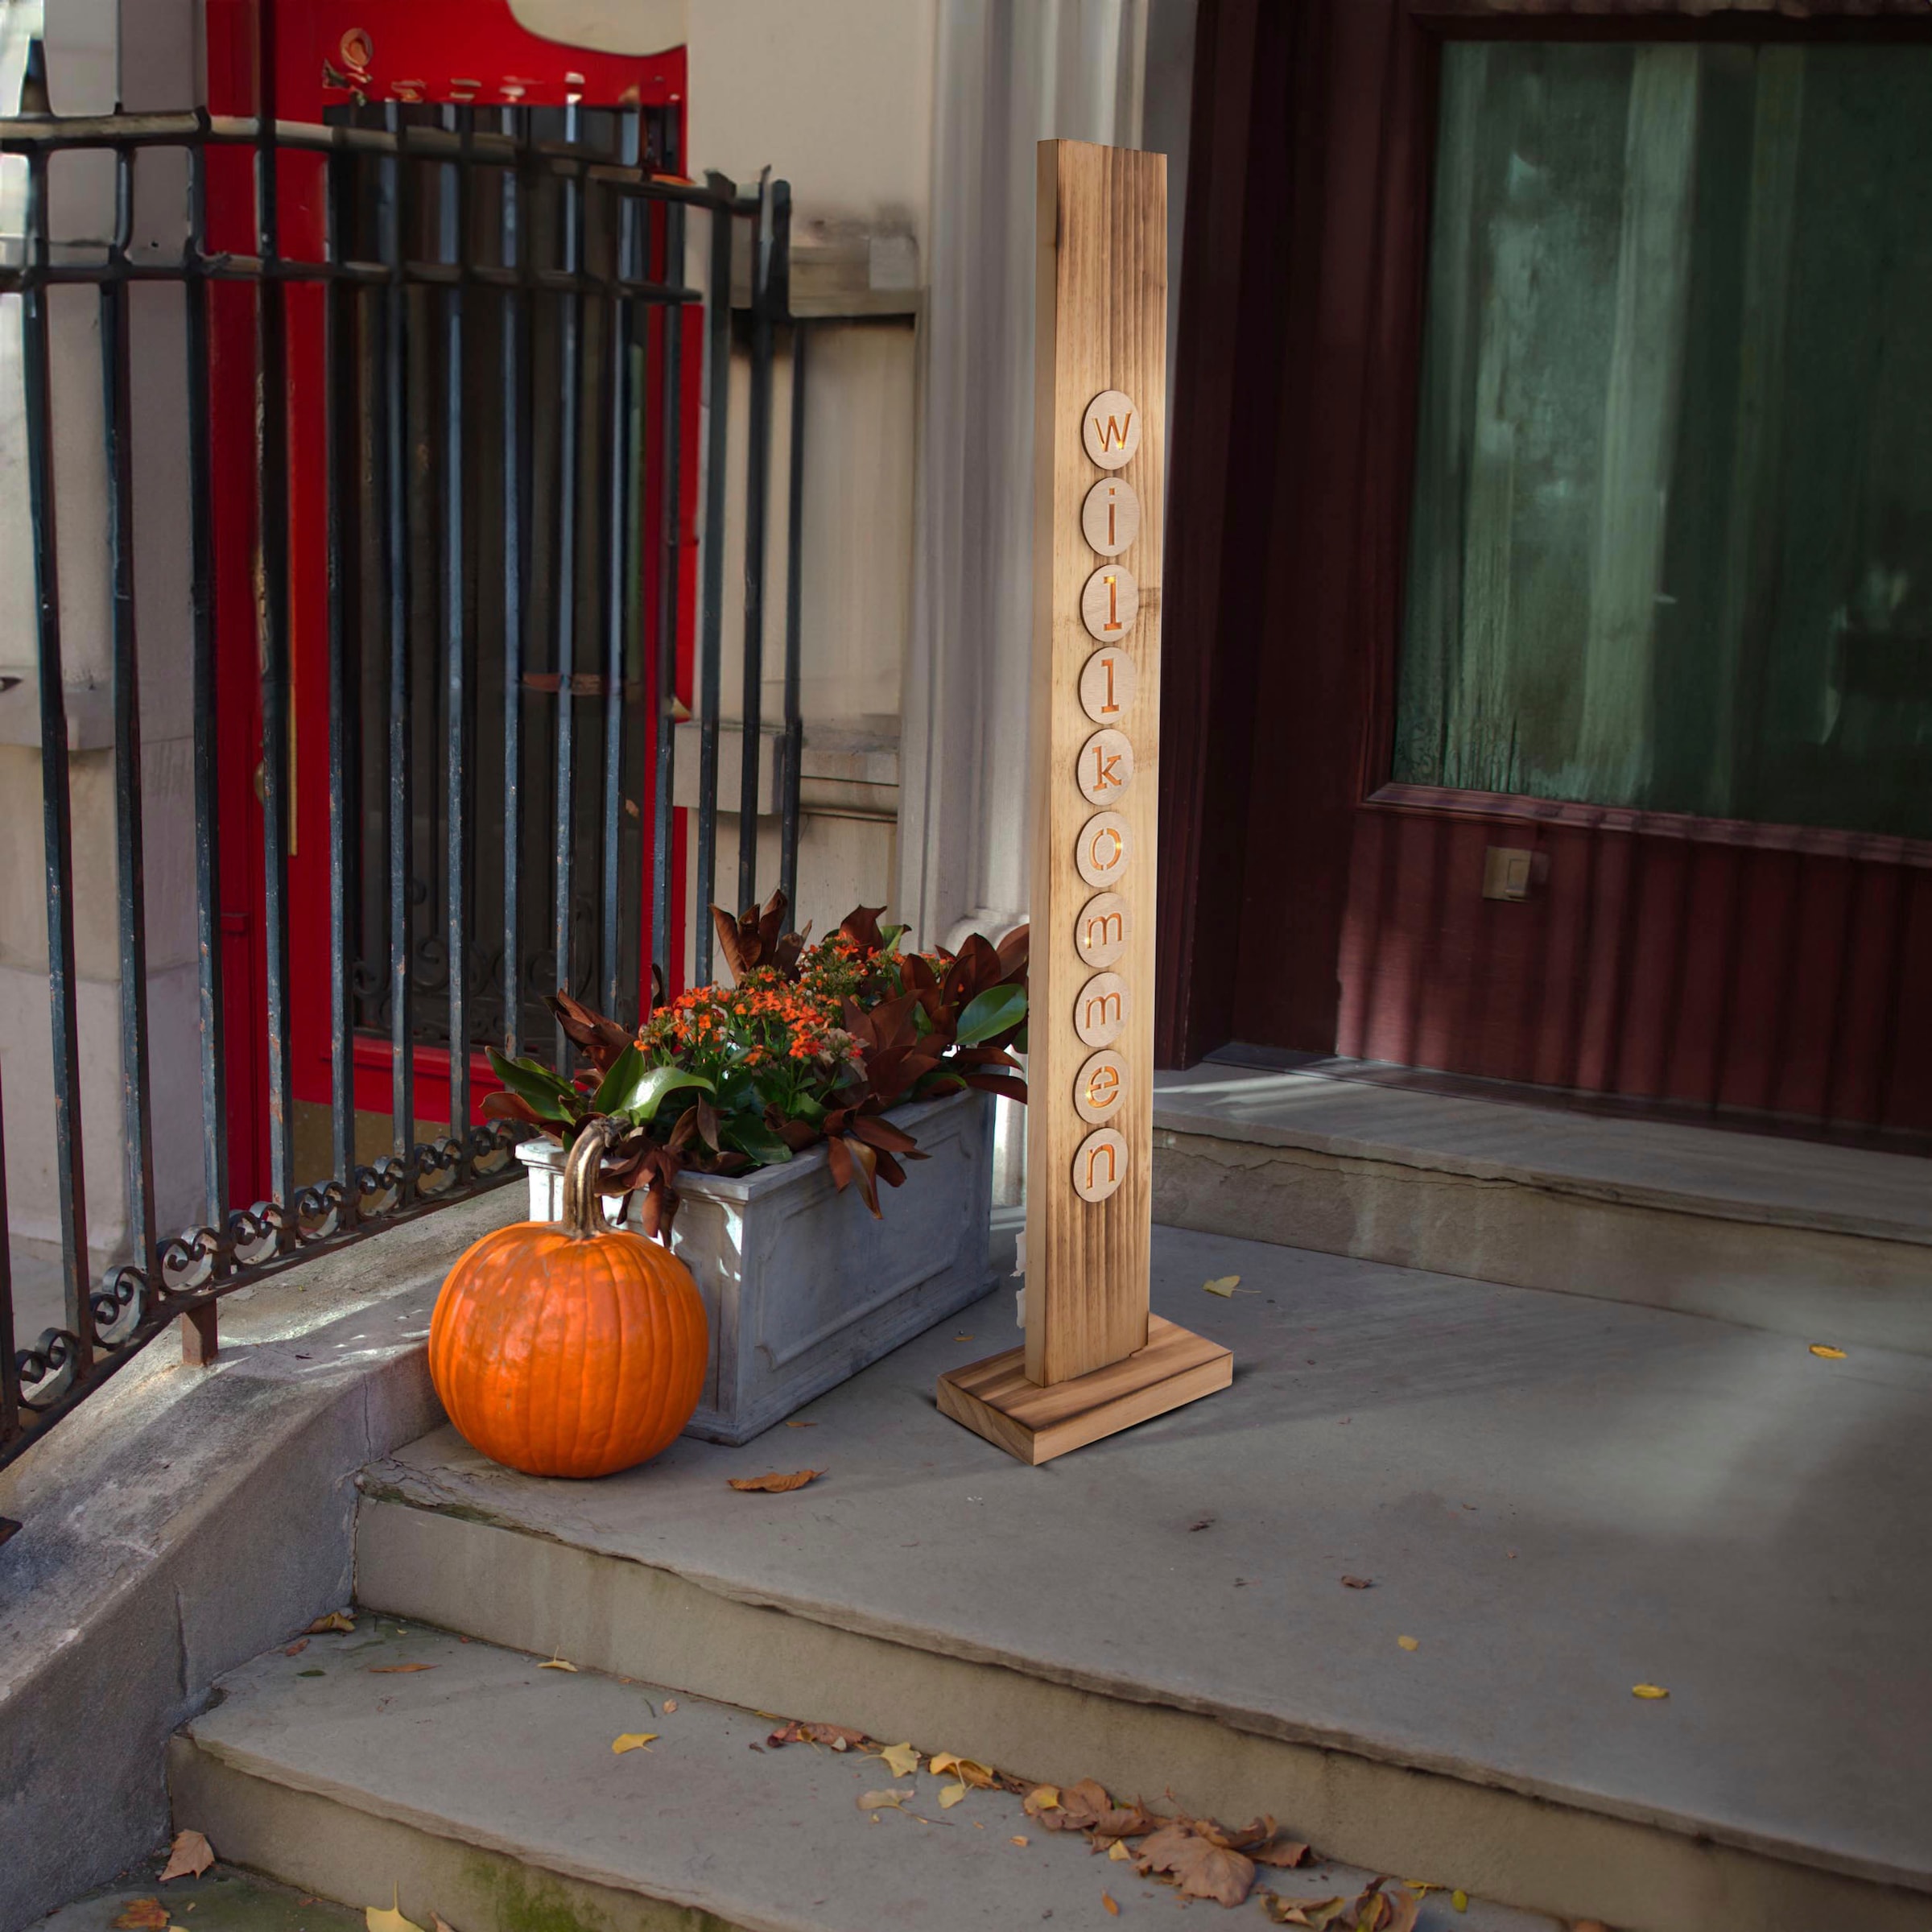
<point>802,1286</point>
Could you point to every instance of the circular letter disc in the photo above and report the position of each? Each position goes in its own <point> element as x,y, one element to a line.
<point>1100,1009</point>
<point>1106,767</point>
<point>1111,429</point>
<point>1102,850</point>
<point>1107,683</point>
<point>1101,931</point>
<point>1100,1164</point>
<point>1110,517</point>
<point>1109,604</point>
<point>1100,1088</point>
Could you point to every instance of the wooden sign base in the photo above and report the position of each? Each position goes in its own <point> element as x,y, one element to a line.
<point>993,1398</point>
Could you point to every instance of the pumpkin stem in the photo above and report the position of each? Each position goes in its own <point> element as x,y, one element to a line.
<point>582,1209</point>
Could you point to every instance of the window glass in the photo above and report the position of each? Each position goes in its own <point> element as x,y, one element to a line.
<point>1672,535</point>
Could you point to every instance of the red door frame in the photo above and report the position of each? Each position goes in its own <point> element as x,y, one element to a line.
<point>1306,902</point>
<point>328,52</point>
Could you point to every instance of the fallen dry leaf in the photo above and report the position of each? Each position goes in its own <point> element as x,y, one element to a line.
<point>1826,1352</point>
<point>188,1856</point>
<point>404,1669</point>
<point>1119,1851</point>
<point>1285,1853</point>
<point>796,1424</point>
<point>439,1923</point>
<point>951,1795</point>
<point>969,1771</point>
<point>1649,1691</point>
<point>1040,1800</point>
<point>775,1484</point>
<point>1201,1864</point>
<point>1019,1841</point>
<point>900,1760</point>
<point>142,1915</point>
<point>1319,1913</point>
<point>389,1918</point>
<point>837,1737</point>
<point>883,1801</point>
<point>336,1619</point>
<point>670,1704</point>
<point>557,1663</point>
<point>1113,1911</point>
<point>962,1338</point>
<point>1409,1643</point>
<point>297,1647</point>
<point>1358,1582</point>
<point>1224,1284</point>
<point>633,1740</point>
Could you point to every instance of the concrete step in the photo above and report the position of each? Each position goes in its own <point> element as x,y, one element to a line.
<point>1558,1498</point>
<point>1805,1238</point>
<point>481,1788</point>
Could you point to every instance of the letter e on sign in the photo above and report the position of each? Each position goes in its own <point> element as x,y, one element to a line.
<point>1100,1009</point>
<point>1100,932</point>
<point>1110,517</point>
<point>1099,1089</point>
<point>1100,1164</point>
<point>1110,429</point>
<point>1101,851</point>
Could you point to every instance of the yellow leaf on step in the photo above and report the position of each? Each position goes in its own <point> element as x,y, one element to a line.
<point>439,1923</point>
<point>557,1663</point>
<point>1460,1899</point>
<point>1409,1643</point>
<point>969,1771</point>
<point>950,1796</point>
<point>670,1704</point>
<point>883,1801</point>
<point>336,1619</point>
<point>1649,1691</point>
<point>1826,1352</point>
<point>389,1918</point>
<point>188,1857</point>
<point>633,1740</point>
<point>1224,1285</point>
<point>1043,1798</point>
<point>1118,1851</point>
<point>900,1760</point>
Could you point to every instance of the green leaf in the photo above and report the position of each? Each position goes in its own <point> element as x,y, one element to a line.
<point>654,1087</point>
<point>754,1139</point>
<point>618,1087</point>
<point>804,1108</point>
<point>992,1013</point>
<point>550,1096</point>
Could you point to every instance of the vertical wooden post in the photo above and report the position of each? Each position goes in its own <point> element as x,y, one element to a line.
<point>199,1334</point>
<point>1095,1359</point>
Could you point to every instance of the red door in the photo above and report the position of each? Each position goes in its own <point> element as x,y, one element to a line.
<point>1559,706</point>
<point>330,53</point>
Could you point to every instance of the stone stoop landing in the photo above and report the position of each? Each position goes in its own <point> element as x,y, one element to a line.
<point>1811,1239</point>
<point>1558,1497</point>
<point>484,1788</point>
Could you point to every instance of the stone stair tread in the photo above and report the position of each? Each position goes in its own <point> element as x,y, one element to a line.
<point>486,1748</point>
<point>1561,1498</point>
<point>1674,1165</point>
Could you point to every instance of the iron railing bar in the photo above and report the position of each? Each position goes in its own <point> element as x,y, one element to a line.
<point>130,857</point>
<point>338,322</point>
<point>393,203</point>
<point>454,213</point>
<point>717,394</point>
<point>757,503</point>
<point>56,803</point>
<point>794,742</point>
<point>570,355</point>
<point>670,413</point>
<point>271,445</point>
<point>202,679</point>
<point>616,563</point>
<point>515,564</point>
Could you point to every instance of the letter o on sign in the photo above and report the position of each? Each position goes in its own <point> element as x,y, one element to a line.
<point>1111,429</point>
<point>1099,1089</point>
<point>1103,849</point>
<point>1100,1164</point>
<point>1100,1009</point>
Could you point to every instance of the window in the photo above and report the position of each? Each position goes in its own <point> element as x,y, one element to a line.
<point>1672,536</point>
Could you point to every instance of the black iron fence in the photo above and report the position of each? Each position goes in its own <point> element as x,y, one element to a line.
<point>486,313</point>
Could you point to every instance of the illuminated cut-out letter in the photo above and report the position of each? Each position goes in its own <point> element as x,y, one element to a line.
<point>1100,1164</point>
<point>1109,604</point>
<point>1100,1011</point>
<point>1107,683</point>
<point>1101,930</point>
<point>1100,1088</point>
<point>1110,516</point>
<point>1105,767</point>
<point>1110,429</point>
<point>1102,850</point>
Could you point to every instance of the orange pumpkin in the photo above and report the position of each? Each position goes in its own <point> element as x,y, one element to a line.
<point>569,1348</point>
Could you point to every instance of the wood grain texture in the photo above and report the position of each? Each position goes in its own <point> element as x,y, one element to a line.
<point>994,1398</point>
<point>1100,325</point>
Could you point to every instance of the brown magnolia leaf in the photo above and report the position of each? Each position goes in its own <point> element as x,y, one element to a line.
<point>336,1619</point>
<point>1319,1913</point>
<point>774,1484</point>
<point>188,1856</point>
<point>1199,1866</point>
<point>142,1915</point>
<point>1358,1582</point>
<point>1284,1852</point>
<point>837,1736</point>
<point>398,1670</point>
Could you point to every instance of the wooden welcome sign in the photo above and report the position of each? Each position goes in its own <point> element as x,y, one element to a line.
<point>1095,1359</point>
